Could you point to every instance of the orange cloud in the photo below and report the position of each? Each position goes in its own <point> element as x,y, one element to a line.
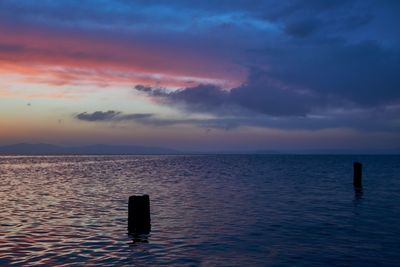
<point>59,58</point>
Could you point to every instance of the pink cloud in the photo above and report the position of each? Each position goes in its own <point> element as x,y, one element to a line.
<point>58,58</point>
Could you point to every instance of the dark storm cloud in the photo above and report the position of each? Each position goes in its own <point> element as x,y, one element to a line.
<point>365,73</point>
<point>262,102</point>
<point>258,95</point>
<point>342,56</point>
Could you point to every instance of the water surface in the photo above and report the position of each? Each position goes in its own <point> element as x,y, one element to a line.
<point>206,210</point>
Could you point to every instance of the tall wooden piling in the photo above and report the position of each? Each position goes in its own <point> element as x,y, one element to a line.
<point>357,180</point>
<point>139,214</point>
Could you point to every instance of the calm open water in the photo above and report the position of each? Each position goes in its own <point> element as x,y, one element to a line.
<point>206,210</point>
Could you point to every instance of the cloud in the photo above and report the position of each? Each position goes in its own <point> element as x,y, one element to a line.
<point>98,116</point>
<point>178,42</point>
<point>364,120</point>
<point>263,101</point>
<point>301,86</point>
<point>11,48</point>
<point>111,115</point>
<point>89,50</point>
<point>363,73</point>
<point>302,28</point>
<point>304,59</point>
<point>259,94</point>
<point>152,120</point>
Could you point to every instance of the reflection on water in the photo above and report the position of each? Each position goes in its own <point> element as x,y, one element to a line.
<point>139,238</point>
<point>206,210</point>
<point>358,193</point>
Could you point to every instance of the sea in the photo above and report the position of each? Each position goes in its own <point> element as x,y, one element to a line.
<point>206,210</point>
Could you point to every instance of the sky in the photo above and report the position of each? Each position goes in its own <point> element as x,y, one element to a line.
<point>201,75</point>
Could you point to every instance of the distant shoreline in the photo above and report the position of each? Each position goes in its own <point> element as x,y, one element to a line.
<point>200,154</point>
<point>115,150</point>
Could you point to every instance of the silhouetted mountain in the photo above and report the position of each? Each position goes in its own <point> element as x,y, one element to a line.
<point>47,149</point>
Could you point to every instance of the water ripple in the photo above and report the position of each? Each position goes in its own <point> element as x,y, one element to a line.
<point>206,210</point>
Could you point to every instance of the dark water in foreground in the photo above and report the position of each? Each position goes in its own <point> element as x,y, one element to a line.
<point>206,210</point>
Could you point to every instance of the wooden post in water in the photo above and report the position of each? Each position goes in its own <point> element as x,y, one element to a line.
<point>139,214</point>
<point>357,180</point>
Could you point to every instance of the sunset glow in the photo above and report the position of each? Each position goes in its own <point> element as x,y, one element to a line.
<point>236,75</point>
